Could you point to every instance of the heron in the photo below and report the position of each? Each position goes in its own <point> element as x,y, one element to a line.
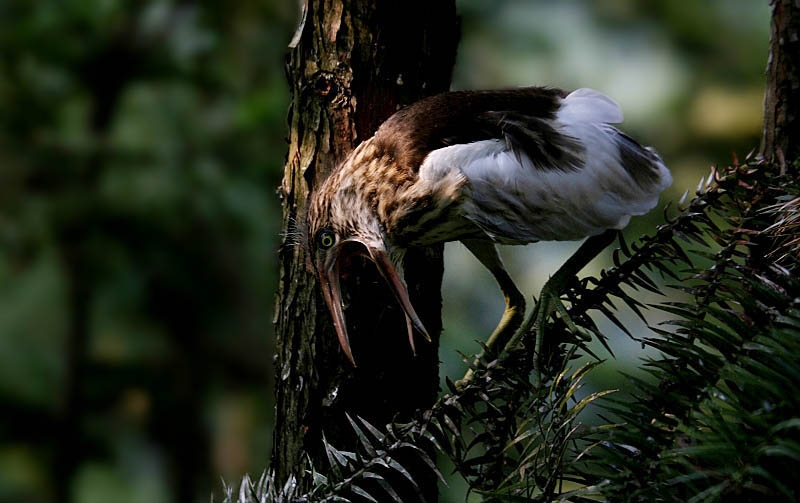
<point>483,167</point>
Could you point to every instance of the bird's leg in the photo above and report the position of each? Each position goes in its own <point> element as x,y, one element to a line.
<point>486,252</point>
<point>550,298</point>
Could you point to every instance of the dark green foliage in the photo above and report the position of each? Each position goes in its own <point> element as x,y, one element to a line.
<point>716,416</point>
<point>717,419</point>
<point>139,146</point>
<point>508,438</point>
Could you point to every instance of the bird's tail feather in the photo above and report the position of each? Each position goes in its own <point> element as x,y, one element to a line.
<point>588,105</point>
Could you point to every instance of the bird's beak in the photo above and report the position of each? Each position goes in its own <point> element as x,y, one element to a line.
<point>332,292</point>
<point>398,287</point>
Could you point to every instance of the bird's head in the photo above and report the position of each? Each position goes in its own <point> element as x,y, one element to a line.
<point>342,226</point>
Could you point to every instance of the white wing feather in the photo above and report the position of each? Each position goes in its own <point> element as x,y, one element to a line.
<point>588,105</point>
<point>515,202</point>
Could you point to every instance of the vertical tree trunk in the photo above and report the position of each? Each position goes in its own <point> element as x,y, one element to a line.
<point>780,141</point>
<point>352,64</point>
<point>780,134</point>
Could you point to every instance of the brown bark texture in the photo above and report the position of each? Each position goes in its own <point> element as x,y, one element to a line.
<point>780,140</point>
<point>352,63</point>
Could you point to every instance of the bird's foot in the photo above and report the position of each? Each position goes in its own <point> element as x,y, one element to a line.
<point>505,330</point>
<point>469,375</point>
<point>549,303</point>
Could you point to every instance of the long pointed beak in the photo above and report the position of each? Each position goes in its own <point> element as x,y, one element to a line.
<point>400,291</point>
<point>331,289</point>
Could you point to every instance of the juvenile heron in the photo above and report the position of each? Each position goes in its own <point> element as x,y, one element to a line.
<point>482,167</point>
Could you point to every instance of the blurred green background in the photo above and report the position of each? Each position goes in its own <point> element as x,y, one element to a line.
<point>141,143</point>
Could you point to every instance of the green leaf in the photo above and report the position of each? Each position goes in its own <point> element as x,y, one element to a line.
<point>363,493</point>
<point>362,438</point>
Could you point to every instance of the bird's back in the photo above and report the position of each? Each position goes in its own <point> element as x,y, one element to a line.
<point>459,118</point>
<point>557,171</point>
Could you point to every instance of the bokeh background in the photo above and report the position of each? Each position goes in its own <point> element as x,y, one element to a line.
<point>141,143</point>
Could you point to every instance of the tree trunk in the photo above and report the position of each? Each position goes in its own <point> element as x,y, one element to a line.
<point>352,64</point>
<point>780,134</point>
<point>780,141</point>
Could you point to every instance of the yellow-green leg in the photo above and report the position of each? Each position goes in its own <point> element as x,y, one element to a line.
<point>486,253</point>
<point>550,298</point>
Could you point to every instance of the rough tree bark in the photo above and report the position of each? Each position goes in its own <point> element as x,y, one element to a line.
<point>780,133</point>
<point>780,140</point>
<point>352,64</point>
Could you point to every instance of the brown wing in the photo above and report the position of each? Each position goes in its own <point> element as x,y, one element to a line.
<point>522,117</point>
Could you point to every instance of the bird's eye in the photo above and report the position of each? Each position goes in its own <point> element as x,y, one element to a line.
<point>326,239</point>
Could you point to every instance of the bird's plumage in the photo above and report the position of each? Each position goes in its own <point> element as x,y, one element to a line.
<point>512,166</point>
<point>514,200</point>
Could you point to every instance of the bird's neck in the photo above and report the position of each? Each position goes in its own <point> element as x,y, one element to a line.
<point>427,212</point>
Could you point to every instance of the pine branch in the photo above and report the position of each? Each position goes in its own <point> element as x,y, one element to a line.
<point>699,427</point>
<point>512,439</point>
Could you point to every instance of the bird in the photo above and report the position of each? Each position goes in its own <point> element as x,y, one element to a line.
<point>483,167</point>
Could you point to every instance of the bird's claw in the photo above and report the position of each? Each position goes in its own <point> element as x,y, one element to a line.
<point>549,301</point>
<point>506,330</point>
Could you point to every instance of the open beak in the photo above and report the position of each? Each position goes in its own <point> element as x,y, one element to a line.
<point>329,277</point>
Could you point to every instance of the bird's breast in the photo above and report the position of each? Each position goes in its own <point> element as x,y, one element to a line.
<point>426,211</point>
